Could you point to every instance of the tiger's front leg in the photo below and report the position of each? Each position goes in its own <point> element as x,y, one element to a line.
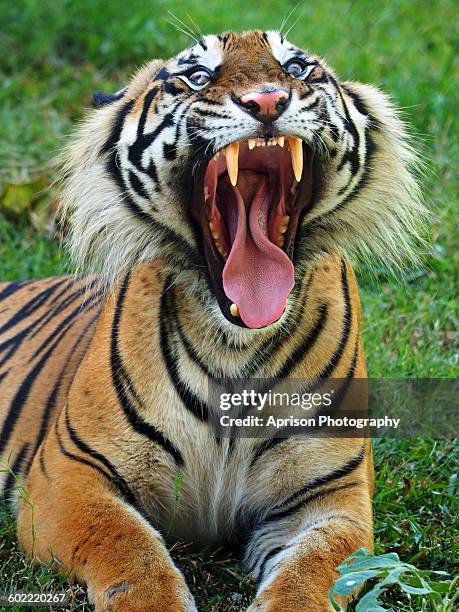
<point>74,512</point>
<point>295,551</point>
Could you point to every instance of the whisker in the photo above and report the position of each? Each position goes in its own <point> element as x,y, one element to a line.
<point>196,27</point>
<point>182,27</point>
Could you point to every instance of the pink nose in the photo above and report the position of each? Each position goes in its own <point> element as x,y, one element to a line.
<point>265,105</point>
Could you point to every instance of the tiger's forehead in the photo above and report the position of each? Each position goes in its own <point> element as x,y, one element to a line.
<point>212,50</point>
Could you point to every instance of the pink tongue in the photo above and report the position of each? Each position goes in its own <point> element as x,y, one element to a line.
<point>258,276</point>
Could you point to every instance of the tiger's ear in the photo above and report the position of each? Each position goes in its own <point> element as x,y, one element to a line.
<point>102,99</point>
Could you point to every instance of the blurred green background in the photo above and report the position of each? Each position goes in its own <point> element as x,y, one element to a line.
<point>54,53</point>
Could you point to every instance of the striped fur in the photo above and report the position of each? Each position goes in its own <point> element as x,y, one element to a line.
<point>103,394</point>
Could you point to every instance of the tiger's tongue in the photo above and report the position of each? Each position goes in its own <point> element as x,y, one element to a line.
<point>258,276</point>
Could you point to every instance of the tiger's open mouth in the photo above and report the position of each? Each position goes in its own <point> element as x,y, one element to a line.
<point>248,201</point>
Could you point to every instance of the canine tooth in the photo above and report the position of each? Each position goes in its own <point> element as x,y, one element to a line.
<point>252,143</point>
<point>281,141</point>
<point>234,310</point>
<point>296,152</point>
<point>211,226</point>
<point>232,162</point>
<point>285,219</point>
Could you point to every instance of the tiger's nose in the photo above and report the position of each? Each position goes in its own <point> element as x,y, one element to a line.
<point>266,104</point>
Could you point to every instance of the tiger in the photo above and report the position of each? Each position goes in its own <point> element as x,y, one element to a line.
<point>213,208</point>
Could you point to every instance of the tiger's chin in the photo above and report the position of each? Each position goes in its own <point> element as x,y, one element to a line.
<point>248,200</point>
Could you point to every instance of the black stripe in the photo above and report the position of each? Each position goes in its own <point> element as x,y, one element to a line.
<point>328,370</point>
<point>84,461</point>
<point>272,553</point>
<point>145,140</point>
<point>307,344</point>
<point>191,402</point>
<point>42,461</point>
<point>360,104</point>
<point>264,447</point>
<point>147,102</point>
<point>346,469</point>
<point>30,307</point>
<point>12,288</point>
<point>58,307</point>
<point>304,502</point>
<point>85,448</point>
<point>138,186</point>
<point>171,307</point>
<point>311,106</point>
<point>67,323</point>
<point>202,112</point>
<point>370,149</point>
<point>125,389</point>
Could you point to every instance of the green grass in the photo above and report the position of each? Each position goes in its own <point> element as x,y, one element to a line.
<point>55,53</point>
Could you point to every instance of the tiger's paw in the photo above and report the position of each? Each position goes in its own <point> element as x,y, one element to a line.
<point>295,601</point>
<point>157,596</point>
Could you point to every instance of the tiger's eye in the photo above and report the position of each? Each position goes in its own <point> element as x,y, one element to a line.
<point>295,69</point>
<point>200,77</point>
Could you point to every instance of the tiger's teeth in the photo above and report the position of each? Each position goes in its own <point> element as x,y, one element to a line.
<point>296,152</point>
<point>284,224</point>
<point>223,252</point>
<point>281,141</point>
<point>232,162</point>
<point>234,310</point>
<point>252,143</point>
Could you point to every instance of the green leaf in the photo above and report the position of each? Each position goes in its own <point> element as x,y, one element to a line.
<point>370,602</point>
<point>347,583</point>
